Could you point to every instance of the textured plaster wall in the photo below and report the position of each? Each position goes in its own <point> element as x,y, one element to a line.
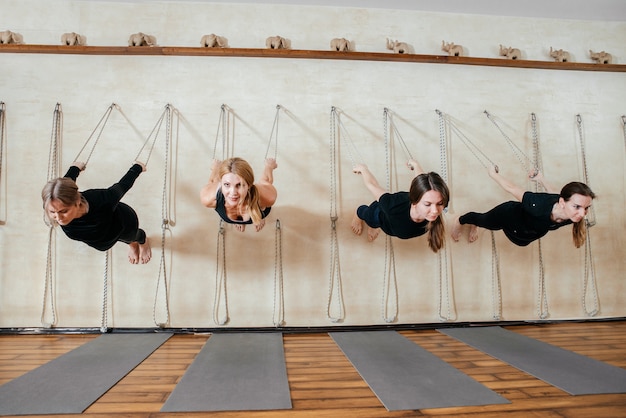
<point>85,85</point>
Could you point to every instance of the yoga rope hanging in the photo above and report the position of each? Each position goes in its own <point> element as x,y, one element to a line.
<point>220,278</point>
<point>624,128</point>
<point>167,219</point>
<point>278,306</point>
<point>3,178</point>
<point>106,276</point>
<point>390,282</point>
<point>589,277</point>
<point>278,316</point>
<point>444,256</point>
<point>225,128</point>
<point>542,295</point>
<point>54,158</point>
<point>446,128</point>
<point>526,162</point>
<point>335,286</point>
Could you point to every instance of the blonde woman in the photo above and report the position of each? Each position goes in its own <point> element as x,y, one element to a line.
<point>96,216</point>
<point>234,195</point>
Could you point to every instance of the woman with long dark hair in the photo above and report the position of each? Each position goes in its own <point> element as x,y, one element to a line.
<point>533,215</point>
<point>404,214</point>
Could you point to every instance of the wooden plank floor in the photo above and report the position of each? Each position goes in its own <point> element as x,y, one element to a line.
<point>323,383</point>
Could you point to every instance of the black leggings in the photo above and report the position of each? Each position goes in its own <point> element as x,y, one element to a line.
<point>503,216</point>
<point>130,229</point>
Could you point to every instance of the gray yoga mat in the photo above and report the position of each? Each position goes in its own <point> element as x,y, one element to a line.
<point>70,383</point>
<point>574,373</point>
<point>234,372</point>
<point>405,376</point>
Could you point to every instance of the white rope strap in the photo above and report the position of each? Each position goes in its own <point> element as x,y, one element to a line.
<point>54,157</point>
<point>589,276</point>
<point>624,127</point>
<point>444,256</point>
<point>335,287</point>
<point>220,278</point>
<point>278,317</point>
<point>496,285</point>
<point>542,294</point>
<point>390,282</point>
<point>480,156</point>
<point>274,134</point>
<point>3,178</point>
<point>591,216</point>
<point>517,151</point>
<point>166,218</point>
<point>224,129</point>
<point>105,292</point>
<point>98,132</point>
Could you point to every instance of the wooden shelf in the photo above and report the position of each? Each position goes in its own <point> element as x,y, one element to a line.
<point>306,54</point>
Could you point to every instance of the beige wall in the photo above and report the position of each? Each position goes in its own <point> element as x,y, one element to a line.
<point>31,85</point>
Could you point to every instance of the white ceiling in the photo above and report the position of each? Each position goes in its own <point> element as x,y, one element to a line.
<point>603,10</point>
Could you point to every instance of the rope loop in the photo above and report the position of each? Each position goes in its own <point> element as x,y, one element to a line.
<point>221,293</point>
<point>96,131</point>
<point>335,287</point>
<point>278,317</point>
<point>53,172</point>
<point>480,156</point>
<point>167,116</point>
<point>3,179</point>
<point>517,151</point>
<point>272,135</point>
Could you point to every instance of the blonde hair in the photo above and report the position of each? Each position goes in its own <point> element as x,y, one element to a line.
<point>421,184</point>
<point>63,189</point>
<point>240,167</point>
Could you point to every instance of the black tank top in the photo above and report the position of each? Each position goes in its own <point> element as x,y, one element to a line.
<point>220,208</point>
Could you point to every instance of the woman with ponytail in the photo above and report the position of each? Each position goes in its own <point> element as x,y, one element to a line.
<point>534,214</point>
<point>234,195</point>
<point>404,214</point>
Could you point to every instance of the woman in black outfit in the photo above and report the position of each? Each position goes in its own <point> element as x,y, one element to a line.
<point>236,197</point>
<point>96,216</point>
<point>534,214</point>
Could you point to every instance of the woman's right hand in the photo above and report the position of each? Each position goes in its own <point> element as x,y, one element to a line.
<point>81,165</point>
<point>359,168</point>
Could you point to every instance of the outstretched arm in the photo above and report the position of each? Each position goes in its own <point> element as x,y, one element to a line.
<point>207,193</point>
<point>369,180</point>
<point>515,190</point>
<point>265,185</point>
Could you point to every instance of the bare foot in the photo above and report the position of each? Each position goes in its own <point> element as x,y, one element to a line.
<point>456,229</point>
<point>473,233</point>
<point>133,253</point>
<point>372,233</point>
<point>260,225</point>
<point>145,252</point>
<point>357,224</point>
<point>239,227</point>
